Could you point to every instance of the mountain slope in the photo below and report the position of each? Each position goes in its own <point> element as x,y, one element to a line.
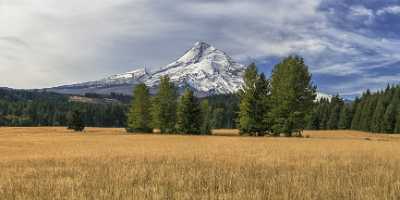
<point>204,68</point>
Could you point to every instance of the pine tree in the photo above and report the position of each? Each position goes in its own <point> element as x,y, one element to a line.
<point>77,123</point>
<point>205,118</point>
<point>164,106</point>
<point>377,122</point>
<point>247,113</point>
<point>345,118</point>
<point>390,120</point>
<point>139,115</point>
<point>333,121</point>
<point>189,119</point>
<point>217,118</point>
<point>357,107</point>
<point>313,120</point>
<point>262,105</point>
<point>292,96</point>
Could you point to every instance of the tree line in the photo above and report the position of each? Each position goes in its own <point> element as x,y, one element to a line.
<point>281,104</point>
<point>37,108</point>
<point>275,106</point>
<point>377,112</point>
<point>278,105</point>
<point>168,112</point>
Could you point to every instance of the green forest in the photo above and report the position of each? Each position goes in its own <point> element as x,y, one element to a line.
<point>281,104</point>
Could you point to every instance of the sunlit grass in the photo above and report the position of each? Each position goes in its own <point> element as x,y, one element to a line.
<point>53,163</point>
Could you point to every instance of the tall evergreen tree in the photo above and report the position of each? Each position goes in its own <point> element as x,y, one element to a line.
<point>205,118</point>
<point>139,115</point>
<point>334,116</point>
<point>377,122</point>
<point>391,118</point>
<point>292,96</point>
<point>345,118</point>
<point>164,106</point>
<point>189,119</point>
<point>217,118</point>
<point>262,105</point>
<point>357,107</point>
<point>248,102</point>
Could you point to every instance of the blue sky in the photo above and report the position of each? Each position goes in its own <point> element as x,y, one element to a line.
<point>349,45</point>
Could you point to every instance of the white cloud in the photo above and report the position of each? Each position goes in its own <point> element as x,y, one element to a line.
<point>364,13</point>
<point>395,10</point>
<point>46,43</point>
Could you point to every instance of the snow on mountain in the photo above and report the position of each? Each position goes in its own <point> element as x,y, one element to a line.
<point>204,68</point>
<point>323,96</point>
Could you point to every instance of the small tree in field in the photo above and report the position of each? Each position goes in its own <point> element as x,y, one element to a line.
<point>75,121</point>
<point>139,114</point>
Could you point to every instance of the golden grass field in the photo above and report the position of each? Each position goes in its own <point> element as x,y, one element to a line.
<point>54,163</point>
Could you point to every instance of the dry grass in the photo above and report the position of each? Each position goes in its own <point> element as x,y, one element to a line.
<point>53,163</point>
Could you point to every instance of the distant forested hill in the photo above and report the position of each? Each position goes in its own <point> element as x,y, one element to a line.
<point>38,108</point>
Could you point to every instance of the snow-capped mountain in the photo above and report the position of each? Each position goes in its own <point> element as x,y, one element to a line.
<point>204,68</point>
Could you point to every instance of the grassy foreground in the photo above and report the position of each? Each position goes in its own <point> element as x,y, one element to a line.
<point>53,163</point>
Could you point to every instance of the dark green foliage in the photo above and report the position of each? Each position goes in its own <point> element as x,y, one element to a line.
<point>379,112</point>
<point>262,105</point>
<point>247,114</point>
<point>76,123</point>
<point>205,118</point>
<point>345,118</point>
<point>189,114</point>
<point>164,106</point>
<point>336,105</point>
<point>224,110</point>
<point>254,103</point>
<point>139,114</point>
<point>391,116</point>
<point>38,108</point>
<point>292,96</point>
<point>217,118</point>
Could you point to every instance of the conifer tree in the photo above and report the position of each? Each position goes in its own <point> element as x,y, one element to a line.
<point>333,121</point>
<point>390,120</point>
<point>248,102</point>
<point>206,118</point>
<point>217,118</point>
<point>139,114</point>
<point>358,107</point>
<point>377,122</point>
<point>164,106</point>
<point>345,118</point>
<point>77,124</point>
<point>189,119</point>
<point>263,105</point>
<point>313,119</point>
<point>292,96</point>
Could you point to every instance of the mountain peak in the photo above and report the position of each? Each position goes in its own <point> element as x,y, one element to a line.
<point>202,44</point>
<point>204,68</point>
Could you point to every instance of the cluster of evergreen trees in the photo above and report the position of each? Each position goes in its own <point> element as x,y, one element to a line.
<point>374,112</point>
<point>378,112</point>
<point>330,114</point>
<point>167,111</point>
<point>278,105</point>
<point>36,108</point>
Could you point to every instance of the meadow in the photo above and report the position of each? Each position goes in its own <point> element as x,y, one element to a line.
<point>55,163</point>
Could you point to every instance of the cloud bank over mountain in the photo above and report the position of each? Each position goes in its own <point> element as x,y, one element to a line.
<point>350,45</point>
